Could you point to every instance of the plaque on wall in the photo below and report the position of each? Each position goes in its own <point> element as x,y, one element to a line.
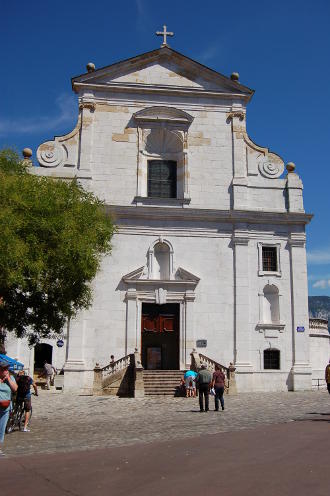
<point>201,343</point>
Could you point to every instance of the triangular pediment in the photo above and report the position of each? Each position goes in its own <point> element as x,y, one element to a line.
<point>141,275</point>
<point>162,68</point>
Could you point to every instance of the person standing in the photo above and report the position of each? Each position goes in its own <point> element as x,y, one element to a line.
<point>23,396</point>
<point>203,380</point>
<point>218,383</point>
<point>7,387</point>
<point>49,372</point>
<point>327,376</point>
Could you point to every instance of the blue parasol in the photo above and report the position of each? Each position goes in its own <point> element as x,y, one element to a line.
<point>14,365</point>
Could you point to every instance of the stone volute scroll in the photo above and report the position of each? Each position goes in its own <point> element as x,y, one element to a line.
<point>51,154</point>
<point>269,168</point>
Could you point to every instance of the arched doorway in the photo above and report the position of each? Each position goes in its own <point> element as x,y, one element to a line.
<point>42,352</point>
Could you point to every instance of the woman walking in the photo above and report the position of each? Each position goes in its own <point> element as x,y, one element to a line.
<point>7,387</point>
<point>218,383</point>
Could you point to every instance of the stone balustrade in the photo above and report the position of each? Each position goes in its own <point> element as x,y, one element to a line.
<point>198,358</point>
<point>318,326</point>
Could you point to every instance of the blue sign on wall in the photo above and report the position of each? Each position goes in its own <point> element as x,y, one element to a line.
<point>300,329</point>
<point>60,343</point>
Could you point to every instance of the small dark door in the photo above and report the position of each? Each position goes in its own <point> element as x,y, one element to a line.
<point>160,336</point>
<point>42,352</point>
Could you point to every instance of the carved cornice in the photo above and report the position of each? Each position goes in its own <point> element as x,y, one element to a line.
<point>297,240</point>
<point>208,215</point>
<point>159,89</point>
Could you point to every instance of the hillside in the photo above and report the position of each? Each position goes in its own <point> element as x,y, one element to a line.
<point>319,306</point>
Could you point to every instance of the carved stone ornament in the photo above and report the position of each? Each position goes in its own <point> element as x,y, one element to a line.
<point>270,170</point>
<point>87,105</point>
<point>159,141</point>
<point>240,115</point>
<point>51,154</point>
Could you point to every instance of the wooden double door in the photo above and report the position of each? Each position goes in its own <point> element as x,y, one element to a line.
<point>160,336</point>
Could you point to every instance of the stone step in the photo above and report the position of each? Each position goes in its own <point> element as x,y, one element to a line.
<point>161,382</point>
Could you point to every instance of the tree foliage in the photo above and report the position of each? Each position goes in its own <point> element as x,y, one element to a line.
<point>53,237</point>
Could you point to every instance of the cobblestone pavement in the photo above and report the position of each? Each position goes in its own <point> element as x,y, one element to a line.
<point>65,422</point>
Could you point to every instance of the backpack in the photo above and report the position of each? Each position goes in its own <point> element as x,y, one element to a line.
<point>23,384</point>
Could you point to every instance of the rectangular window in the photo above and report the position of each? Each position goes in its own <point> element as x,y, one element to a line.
<point>269,259</point>
<point>161,179</point>
<point>272,359</point>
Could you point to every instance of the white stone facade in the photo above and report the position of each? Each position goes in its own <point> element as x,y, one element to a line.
<point>233,199</point>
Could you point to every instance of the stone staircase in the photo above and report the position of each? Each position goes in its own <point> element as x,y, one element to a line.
<point>161,382</point>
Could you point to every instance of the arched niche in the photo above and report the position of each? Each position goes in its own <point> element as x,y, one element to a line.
<point>161,266</point>
<point>160,260</point>
<point>270,305</point>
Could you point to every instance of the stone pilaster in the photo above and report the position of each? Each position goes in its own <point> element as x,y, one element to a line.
<point>294,190</point>
<point>75,363</point>
<point>87,109</point>
<point>131,321</point>
<point>240,180</point>
<point>301,371</point>
<point>242,304</point>
<point>188,338</point>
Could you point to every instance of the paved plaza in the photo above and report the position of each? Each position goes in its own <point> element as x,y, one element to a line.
<point>65,422</point>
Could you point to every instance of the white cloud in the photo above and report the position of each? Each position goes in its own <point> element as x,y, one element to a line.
<point>319,257</point>
<point>211,52</point>
<point>322,284</point>
<point>66,111</point>
<point>142,18</point>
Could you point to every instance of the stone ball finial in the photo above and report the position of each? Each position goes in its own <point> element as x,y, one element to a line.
<point>234,76</point>
<point>27,153</point>
<point>290,167</point>
<point>90,67</point>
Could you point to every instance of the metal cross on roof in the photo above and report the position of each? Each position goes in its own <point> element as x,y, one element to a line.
<point>164,33</point>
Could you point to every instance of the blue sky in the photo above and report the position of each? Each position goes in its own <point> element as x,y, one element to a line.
<point>280,49</point>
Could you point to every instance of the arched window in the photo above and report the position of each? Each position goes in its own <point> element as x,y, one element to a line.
<point>271,307</point>
<point>271,359</point>
<point>161,263</point>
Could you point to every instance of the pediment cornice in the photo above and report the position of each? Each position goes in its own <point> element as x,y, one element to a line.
<point>163,114</point>
<point>101,79</point>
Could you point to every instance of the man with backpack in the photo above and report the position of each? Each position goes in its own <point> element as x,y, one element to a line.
<point>24,383</point>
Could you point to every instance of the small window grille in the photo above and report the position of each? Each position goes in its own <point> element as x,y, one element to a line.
<point>271,359</point>
<point>269,259</point>
<point>161,179</point>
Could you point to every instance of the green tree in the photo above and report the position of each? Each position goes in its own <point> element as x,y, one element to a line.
<point>53,237</point>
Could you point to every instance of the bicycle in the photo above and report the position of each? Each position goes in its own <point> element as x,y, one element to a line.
<point>16,417</point>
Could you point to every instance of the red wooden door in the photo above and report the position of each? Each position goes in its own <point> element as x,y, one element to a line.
<point>160,335</point>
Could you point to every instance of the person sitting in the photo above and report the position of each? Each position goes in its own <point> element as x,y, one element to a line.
<point>23,396</point>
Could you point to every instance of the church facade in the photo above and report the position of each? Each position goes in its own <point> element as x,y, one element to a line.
<point>209,252</point>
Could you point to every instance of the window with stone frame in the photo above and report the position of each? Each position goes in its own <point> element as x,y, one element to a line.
<point>162,179</point>
<point>163,142</point>
<point>272,359</point>
<point>269,259</point>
